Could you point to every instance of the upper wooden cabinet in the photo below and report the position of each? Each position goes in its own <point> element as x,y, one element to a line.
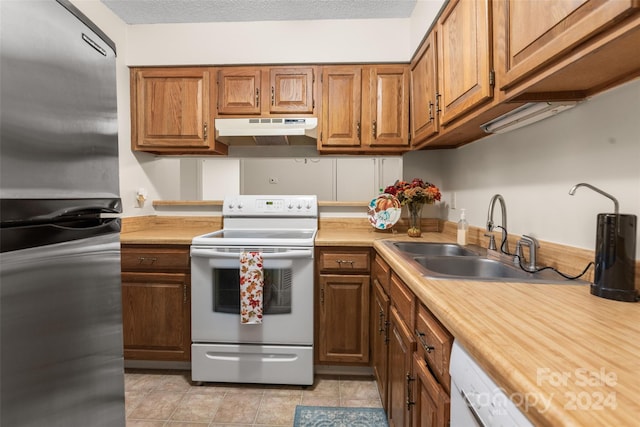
<point>291,90</point>
<point>170,111</point>
<point>424,92</point>
<point>464,58</point>
<point>341,106</point>
<point>389,114</point>
<point>262,91</point>
<point>365,108</point>
<point>239,90</point>
<point>493,56</point>
<point>558,27</point>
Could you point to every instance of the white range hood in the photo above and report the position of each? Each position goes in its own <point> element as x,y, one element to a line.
<point>267,131</point>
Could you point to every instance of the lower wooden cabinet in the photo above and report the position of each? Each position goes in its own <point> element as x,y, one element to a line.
<point>344,318</point>
<point>156,302</point>
<point>378,320</point>
<point>342,305</point>
<point>410,355</point>
<point>401,349</point>
<point>379,337</point>
<point>430,402</point>
<point>156,311</point>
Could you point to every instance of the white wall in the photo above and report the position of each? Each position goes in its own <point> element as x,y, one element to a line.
<point>597,142</point>
<point>421,20</point>
<point>269,42</point>
<point>238,43</point>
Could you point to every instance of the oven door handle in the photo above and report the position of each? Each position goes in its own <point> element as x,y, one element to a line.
<point>213,253</point>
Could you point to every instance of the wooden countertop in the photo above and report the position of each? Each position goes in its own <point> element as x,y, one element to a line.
<point>571,357</point>
<point>161,230</point>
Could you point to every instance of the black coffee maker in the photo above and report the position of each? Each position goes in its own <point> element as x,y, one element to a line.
<point>615,253</point>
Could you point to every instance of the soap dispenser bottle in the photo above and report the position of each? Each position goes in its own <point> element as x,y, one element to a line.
<point>463,229</point>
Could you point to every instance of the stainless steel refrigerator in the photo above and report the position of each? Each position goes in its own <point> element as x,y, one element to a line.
<point>61,354</point>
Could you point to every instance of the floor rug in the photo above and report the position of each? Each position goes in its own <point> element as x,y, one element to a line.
<point>328,416</point>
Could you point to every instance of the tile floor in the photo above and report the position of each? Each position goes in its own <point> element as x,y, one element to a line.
<point>169,399</point>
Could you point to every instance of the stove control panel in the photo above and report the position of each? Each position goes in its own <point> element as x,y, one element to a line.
<point>255,205</point>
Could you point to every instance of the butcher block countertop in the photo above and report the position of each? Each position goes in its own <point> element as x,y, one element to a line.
<point>570,358</point>
<point>161,230</point>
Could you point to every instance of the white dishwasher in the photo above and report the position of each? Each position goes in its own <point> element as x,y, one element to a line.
<point>476,400</point>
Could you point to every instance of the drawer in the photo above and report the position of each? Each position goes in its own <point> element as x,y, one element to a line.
<point>149,258</point>
<point>345,261</point>
<point>381,272</point>
<point>403,299</point>
<point>434,344</point>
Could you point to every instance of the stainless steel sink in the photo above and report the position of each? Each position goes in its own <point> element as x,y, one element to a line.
<point>451,261</point>
<point>434,249</point>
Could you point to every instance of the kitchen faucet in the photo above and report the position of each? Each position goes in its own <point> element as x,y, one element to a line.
<point>504,245</point>
<point>533,245</point>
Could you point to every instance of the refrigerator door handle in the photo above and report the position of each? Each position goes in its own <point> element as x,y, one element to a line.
<point>19,212</point>
<point>34,235</point>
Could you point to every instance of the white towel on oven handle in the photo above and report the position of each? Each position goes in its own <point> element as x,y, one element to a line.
<point>251,288</point>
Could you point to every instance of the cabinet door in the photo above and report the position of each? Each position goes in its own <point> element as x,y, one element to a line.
<point>380,338</point>
<point>424,88</point>
<point>291,90</point>
<point>341,106</point>
<point>389,115</point>
<point>344,318</point>
<point>464,58</point>
<point>239,90</point>
<point>170,108</point>
<point>540,32</point>
<point>431,403</point>
<point>401,347</point>
<point>156,316</point>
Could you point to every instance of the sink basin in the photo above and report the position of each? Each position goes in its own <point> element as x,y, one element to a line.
<point>470,267</point>
<point>479,268</point>
<point>433,249</point>
<point>451,261</point>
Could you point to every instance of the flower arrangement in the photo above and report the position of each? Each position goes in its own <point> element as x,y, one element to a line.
<point>415,192</point>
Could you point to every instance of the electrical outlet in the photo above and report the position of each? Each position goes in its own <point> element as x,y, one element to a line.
<point>273,180</point>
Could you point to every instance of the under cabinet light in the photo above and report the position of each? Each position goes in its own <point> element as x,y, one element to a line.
<point>525,115</point>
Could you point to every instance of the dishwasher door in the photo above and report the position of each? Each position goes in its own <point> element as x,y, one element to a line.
<point>475,399</point>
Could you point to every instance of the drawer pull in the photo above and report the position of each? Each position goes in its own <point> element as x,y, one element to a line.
<point>141,260</point>
<point>428,348</point>
<point>340,261</point>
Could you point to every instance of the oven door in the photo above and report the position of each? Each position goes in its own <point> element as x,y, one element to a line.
<point>288,296</point>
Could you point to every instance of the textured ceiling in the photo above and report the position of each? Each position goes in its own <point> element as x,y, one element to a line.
<point>185,11</point>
